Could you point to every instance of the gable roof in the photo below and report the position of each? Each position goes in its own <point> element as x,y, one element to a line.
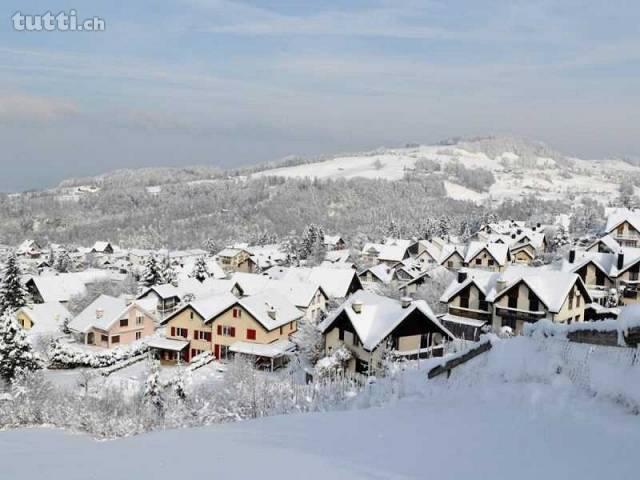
<point>335,282</point>
<point>621,215</point>
<point>112,308</point>
<point>498,251</point>
<point>606,262</point>
<point>609,242</point>
<point>301,294</point>
<point>550,286</point>
<point>382,272</point>
<point>379,317</point>
<point>46,317</point>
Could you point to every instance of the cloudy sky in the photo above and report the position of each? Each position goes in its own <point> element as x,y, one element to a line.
<point>228,82</point>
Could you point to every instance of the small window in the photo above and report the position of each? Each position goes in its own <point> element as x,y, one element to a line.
<point>491,262</point>
<point>478,261</point>
<point>139,319</point>
<point>191,315</point>
<point>237,313</point>
<point>124,322</point>
<point>450,264</point>
<point>251,334</point>
<point>104,339</point>
<point>341,334</point>
<point>115,339</point>
<point>138,335</point>
<point>464,302</point>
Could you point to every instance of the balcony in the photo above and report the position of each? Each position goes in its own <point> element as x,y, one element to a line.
<point>518,314</point>
<point>470,313</point>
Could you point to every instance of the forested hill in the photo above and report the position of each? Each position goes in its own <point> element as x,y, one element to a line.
<point>415,189</point>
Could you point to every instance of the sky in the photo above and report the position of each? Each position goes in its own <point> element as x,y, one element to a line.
<point>229,83</point>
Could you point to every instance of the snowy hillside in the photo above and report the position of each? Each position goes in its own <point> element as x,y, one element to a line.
<point>528,408</point>
<point>519,169</point>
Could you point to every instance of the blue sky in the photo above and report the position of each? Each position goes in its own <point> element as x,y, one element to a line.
<point>226,82</point>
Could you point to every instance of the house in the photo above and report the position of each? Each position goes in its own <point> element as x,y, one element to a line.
<point>605,244</point>
<point>43,318</point>
<point>378,274</point>
<point>112,321</point>
<point>391,252</point>
<point>258,326</point>
<point>308,297</point>
<point>102,247</point>
<point>624,226</point>
<point>337,283</point>
<point>516,296</point>
<point>369,324</point>
<point>55,288</point>
<point>161,298</point>
<point>29,248</point>
<point>488,255</point>
<point>236,260</point>
<point>602,272</point>
<point>334,242</point>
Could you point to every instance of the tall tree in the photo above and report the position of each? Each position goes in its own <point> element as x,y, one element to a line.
<point>168,273</point>
<point>200,270</point>
<point>63,261</point>
<point>16,353</point>
<point>151,274</point>
<point>13,294</point>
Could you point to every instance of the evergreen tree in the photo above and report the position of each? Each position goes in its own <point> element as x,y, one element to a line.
<point>52,258</point>
<point>393,230</point>
<point>63,262</point>
<point>16,353</point>
<point>168,273</point>
<point>153,390</point>
<point>13,294</point>
<point>200,270</point>
<point>151,274</point>
<point>210,246</point>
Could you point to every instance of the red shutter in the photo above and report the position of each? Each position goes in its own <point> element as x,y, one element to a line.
<point>232,331</point>
<point>185,333</point>
<point>251,334</point>
<point>235,313</point>
<point>219,329</point>
<point>173,331</point>
<point>195,334</point>
<point>208,336</point>
<point>216,351</point>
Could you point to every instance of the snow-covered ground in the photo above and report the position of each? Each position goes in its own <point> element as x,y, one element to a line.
<point>526,410</point>
<point>544,177</point>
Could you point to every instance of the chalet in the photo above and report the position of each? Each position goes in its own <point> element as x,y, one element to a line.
<point>513,297</point>
<point>337,283</point>
<point>236,260</point>
<point>380,274</point>
<point>257,326</point>
<point>110,322</point>
<point>102,247</point>
<point>308,297</point>
<point>334,242</point>
<point>605,244</point>
<point>29,248</point>
<point>368,324</point>
<point>624,226</point>
<point>391,252</point>
<point>43,318</point>
<point>487,255</point>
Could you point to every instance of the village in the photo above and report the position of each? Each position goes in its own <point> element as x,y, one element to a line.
<point>325,305</point>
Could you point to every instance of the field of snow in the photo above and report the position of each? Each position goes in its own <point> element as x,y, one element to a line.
<point>546,179</point>
<point>525,410</point>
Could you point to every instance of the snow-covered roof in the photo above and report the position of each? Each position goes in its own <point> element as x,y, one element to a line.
<point>163,343</point>
<point>498,251</point>
<point>46,317</point>
<point>100,246</point>
<point>230,252</point>
<point>471,322</point>
<point>337,256</point>
<point>59,287</point>
<point>100,314</point>
<point>609,242</point>
<point>621,215</point>
<point>606,262</point>
<point>211,307</point>
<point>382,272</point>
<point>379,316</point>
<point>271,309</point>
<point>550,286</point>
<point>270,350</point>
<point>332,240</point>
<point>299,293</point>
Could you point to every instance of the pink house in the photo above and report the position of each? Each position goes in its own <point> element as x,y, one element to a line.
<point>110,321</point>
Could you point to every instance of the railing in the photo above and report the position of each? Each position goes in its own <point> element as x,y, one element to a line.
<point>470,313</point>
<point>515,314</point>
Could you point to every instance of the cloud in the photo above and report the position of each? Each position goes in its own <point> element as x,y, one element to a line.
<point>21,108</point>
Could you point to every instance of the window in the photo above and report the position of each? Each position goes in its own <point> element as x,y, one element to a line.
<point>138,335</point>
<point>226,331</point>
<point>191,315</point>
<point>291,326</point>
<point>251,334</point>
<point>534,304</point>
<point>237,313</point>
<point>202,335</point>
<point>513,299</point>
<point>139,319</point>
<point>620,229</point>
<point>464,302</point>
<point>179,332</point>
<point>281,331</point>
<point>578,302</point>
<point>484,305</point>
<point>450,264</point>
<point>104,339</point>
<point>115,339</point>
<point>571,300</point>
<point>491,262</point>
<point>599,278</point>
<point>341,334</point>
<point>478,261</point>
<point>124,322</point>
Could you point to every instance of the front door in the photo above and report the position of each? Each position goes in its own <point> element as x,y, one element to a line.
<point>91,338</point>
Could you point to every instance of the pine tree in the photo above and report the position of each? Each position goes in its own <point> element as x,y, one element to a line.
<point>153,389</point>
<point>16,353</point>
<point>52,258</point>
<point>168,273</point>
<point>151,274</point>
<point>210,246</point>
<point>63,262</point>
<point>13,294</point>
<point>200,270</point>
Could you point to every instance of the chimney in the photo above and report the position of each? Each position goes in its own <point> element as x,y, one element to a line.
<point>513,235</point>
<point>519,231</point>
<point>462,276</point>
<point>620,260</point>
<point>357,306</point>
<point>406,302</point>
<point>128,299</point>
<point>501,284</point>
<point>538,224</point>
<point>99,313</point>
<point>271,312</point>
<point>572,255</point>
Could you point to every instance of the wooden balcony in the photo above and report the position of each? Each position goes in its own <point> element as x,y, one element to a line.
<point>523,315</point>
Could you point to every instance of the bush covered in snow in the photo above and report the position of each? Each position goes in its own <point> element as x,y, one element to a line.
<point>62,355</point>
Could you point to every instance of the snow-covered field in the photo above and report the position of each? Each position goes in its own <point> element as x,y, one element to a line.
<point>522,411</point>
<point>544,178</point>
